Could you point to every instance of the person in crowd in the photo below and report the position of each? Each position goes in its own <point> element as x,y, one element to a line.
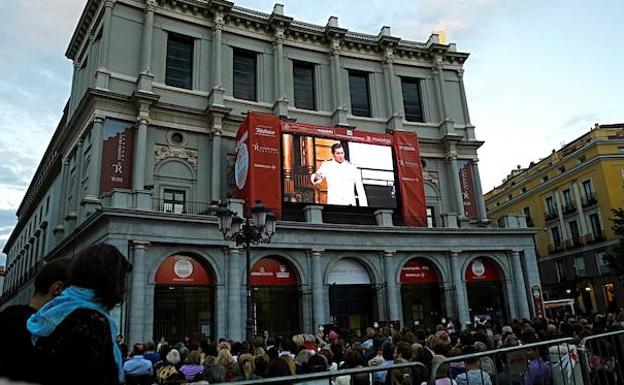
<point>17,353</point>
<point>400,376</point>
<point>161,343</point>
<point>473,374</point>
<point>353,359</point>
<point>167,372</point>
<point>192,369</point>
<point>150,352</point>
<point>442,374</point>
<point>137,368</point>
<point>213,372</point>
<point>77,323</point>
<point>225,359</point>
<point>123,348</point>
<point>247,368</point>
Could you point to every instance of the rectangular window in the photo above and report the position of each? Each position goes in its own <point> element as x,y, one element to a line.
<point>47,206</point>
<point>431,222</point>
<point>556,237</point>
<point>303,82</point>
<point>527,214</point>
<point>174,201</point>
<point>244,75</point>
<point>179,72</point>
<point>411,100</point>
<point>588,189</point>
<point>358,87</point>
<point>595,225</point>
<point>579,265</point>
<point>560,270</point>
<point>567,198</point>
<point>574,232</point>
<point>545,178</point>
<point>550,206</point>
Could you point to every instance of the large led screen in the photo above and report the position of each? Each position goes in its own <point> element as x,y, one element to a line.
<point>337,172</point>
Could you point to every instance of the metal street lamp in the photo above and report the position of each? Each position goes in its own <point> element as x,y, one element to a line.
<point>247,232</point>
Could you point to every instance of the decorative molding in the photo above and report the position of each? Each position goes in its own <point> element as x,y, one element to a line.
<point>163,152</point>
<point>431,177</point>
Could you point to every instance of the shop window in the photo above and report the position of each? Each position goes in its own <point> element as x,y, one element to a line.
<point>412,101</point>
<point>359,89</point>
<point>303,83</point>
<point>244,75</point>
<point>179,72</point>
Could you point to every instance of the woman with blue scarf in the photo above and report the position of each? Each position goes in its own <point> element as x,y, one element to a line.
<point>73,334</point>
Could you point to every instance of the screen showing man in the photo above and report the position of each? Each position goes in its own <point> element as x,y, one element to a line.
<point>343,179</point>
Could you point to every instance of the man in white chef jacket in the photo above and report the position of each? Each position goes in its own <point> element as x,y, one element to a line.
<point>341,177</point>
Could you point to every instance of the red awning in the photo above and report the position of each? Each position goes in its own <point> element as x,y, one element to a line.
<point>273,272</point>
<point>183,270</point>
<point>482,270</point>
<point>418,271</point>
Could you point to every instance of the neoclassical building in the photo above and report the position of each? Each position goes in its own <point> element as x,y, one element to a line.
<point>146,145</point>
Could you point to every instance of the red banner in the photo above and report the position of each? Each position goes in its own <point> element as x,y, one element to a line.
<point>418,271</point>
<point>257,171</point>
<point>272,272</point>
<point>182,270</point>
<point>339,133</point>
<point>468,193</point>
<point>482,270</point>
<point>411,181</point>
<point>117,156</point>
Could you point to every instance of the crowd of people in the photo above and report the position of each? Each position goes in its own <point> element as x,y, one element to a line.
<point>65,336</point>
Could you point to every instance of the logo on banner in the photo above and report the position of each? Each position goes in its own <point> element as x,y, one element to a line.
<point>478,268</point>
<point>282,273</point>
<point>241,167</point>
<point>264,131</point>
<point>183,268</point>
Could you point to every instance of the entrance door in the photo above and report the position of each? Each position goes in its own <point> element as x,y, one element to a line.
<point>486,293</point>
<point>421,294</point>
<point>183,300</point>
<point>352,307</point>
<point>275,297</point>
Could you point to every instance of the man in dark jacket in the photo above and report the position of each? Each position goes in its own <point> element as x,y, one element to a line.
<point>16,351</point>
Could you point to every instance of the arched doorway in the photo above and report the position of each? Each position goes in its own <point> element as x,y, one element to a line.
<point>351,297</point>
<point>485,289</point>
<point>421,294</point>
<point>183,300</point>
<point>276,297</point>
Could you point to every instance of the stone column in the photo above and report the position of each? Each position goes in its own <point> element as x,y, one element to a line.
<point>318,297</point>
<point>215,166</point>
<point>102,74</point>
<point>562,225</point>
<point>461,294</point>
<point>340,109</point>
<point>91,201</point>
<point>137,292</point>
<point>449,300</point>
<point>391,287</point>
<point>455,185</point>
<point>511,299</point>
<point>438,69</point>
<point>146,77</point>
<point>217,92</point>
<point>392,97</point>
<point>521,290</point>
<point>73,211</point>
<point>281,104</point>
<point>235,323</point>
<point>462,95</point>
<point>478,191</point>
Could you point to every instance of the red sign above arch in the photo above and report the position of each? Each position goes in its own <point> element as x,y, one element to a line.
<point>482,270</point>
<point>273,272</point>
<point>418,271</point>
<point>183,270</point>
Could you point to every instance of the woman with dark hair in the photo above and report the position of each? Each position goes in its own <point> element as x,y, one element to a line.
<point>77,323</point>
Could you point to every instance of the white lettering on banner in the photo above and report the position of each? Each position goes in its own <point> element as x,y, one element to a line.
<point>407,148</point>
<point>262,273</point>
<point>282,275</point>
<point>269,150</point>
<point>325,131</point>
<point>265,131</point>
<point>267,166</point>
<point>408,163</point>
<point>415,275</point>
<point>417,268</point>
<point>410,179</point>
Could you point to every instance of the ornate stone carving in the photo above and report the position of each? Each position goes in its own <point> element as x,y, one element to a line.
<point>460,73</point>
<point>219,21</point>
<point>150,5</point>
<point>388,56</point>
<point>162,152</point>
<point>280,36</point>
<point>334,47</point>
<point>109,3</point>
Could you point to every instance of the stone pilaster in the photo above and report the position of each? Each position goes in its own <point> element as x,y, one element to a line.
<point>395,121</point>
<point>521,290</point>
<point>481,210</point>
<point>217,92</point>
<point>146,77</point>
<point>461,294</point>
<point>235,321</point>
<point>391,286</point>
<point>318,294</point>
<point>455,185</point>
<point>138,289</point>
<point>91,201</point>
<point>102,75</point>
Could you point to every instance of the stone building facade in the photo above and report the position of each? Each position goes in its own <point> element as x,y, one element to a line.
<point>175,75</point>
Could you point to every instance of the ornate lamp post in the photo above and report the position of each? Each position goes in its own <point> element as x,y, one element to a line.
<point>247,232</point>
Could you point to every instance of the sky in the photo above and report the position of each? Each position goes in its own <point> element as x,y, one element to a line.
<point>540,73</point>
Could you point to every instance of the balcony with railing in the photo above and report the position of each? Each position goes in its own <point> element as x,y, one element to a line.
<point>183,208</point>
<point>555,248</point>
<point>596,237</point>
<point>569,208</point>
<point>551,215</point>
<point>589,200</point>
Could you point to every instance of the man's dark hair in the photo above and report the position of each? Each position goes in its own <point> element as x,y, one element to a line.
<point>138,349</point>
<point>102,268</point>
<point>335,146</point>
<point>404,349</point>
<point>53,271</point>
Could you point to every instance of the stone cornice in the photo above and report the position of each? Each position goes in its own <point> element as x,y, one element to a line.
<point>82,29</point>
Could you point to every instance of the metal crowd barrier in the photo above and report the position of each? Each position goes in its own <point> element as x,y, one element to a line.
<point>602,358</point>
<point>553,362</point>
